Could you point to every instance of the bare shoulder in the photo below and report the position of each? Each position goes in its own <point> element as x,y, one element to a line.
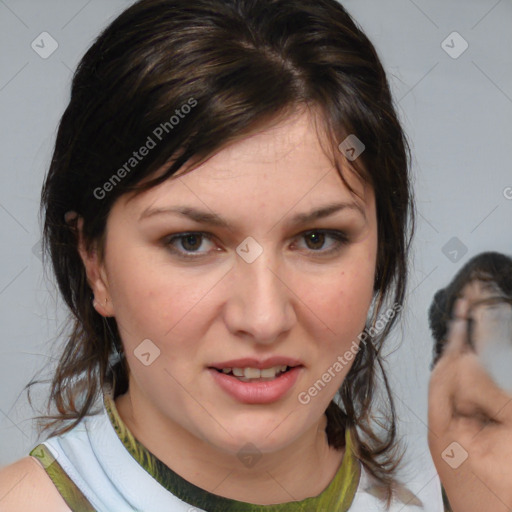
<point>25,487</point>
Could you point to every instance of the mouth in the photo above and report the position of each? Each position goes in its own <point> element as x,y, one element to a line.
<point>249,385</point>
<point>252,369</point>
<point>249,374</point>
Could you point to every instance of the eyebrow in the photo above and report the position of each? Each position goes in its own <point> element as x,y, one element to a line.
<point>213,219</point>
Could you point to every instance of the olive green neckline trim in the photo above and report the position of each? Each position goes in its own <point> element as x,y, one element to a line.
<point>69,491</point>
<point>337,497</point>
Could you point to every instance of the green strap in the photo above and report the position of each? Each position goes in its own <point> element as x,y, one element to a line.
<point>72,495</point>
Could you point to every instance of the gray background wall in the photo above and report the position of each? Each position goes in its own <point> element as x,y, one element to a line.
<point>456,108</point>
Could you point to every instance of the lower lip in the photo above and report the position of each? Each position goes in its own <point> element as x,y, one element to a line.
<point>257,392</point>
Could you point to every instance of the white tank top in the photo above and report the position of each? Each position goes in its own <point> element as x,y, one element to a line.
<point>100,466</point>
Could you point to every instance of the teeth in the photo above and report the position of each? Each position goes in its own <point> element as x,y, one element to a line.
<point>255,373</point>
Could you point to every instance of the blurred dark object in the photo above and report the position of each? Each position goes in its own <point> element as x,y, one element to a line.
<point>493,268</point>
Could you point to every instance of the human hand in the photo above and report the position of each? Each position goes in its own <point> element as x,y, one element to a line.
<point>470,419</point>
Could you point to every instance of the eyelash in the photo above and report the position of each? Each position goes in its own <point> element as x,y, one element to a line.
<point>340,237</point>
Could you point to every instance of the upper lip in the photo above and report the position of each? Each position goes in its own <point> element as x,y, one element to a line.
<point>261,364</point>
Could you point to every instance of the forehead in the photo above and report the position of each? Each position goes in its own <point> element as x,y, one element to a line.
<point>282,164</point>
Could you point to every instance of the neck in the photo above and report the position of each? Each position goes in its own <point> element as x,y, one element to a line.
<point>276,477</point>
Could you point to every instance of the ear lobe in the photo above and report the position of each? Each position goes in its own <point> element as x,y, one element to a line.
<point>96,274</point>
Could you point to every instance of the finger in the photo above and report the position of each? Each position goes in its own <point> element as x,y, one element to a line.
<point>440,398</point>
<point>442,387</point>
<point>492,339</point>
<point>457,338</point>
<point>461,308</point>
<point>444,378</point>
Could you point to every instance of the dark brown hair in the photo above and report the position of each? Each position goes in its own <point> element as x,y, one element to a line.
<point>486,266</point>
<point>242,64</point>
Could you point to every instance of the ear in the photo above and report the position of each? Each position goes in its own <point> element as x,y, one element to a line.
<point>96,274</point>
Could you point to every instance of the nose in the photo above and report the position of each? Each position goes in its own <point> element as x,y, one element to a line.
<point>260,306</point>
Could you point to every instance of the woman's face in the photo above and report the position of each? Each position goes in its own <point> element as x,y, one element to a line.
<point>256,287</point>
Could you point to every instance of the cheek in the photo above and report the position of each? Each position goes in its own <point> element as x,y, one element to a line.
<point>338,302</point>
<point>150,300</point>
<point>355,288</point>
<point>349,304</point>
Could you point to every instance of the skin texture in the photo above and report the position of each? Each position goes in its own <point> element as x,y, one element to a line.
<point>291,301</point>
<point>26,487</point>
<point>466,406</point>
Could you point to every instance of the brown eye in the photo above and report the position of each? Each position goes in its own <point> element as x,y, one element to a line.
<point>316,240</point>
<point>191,242</point>
<point>186,245</point>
